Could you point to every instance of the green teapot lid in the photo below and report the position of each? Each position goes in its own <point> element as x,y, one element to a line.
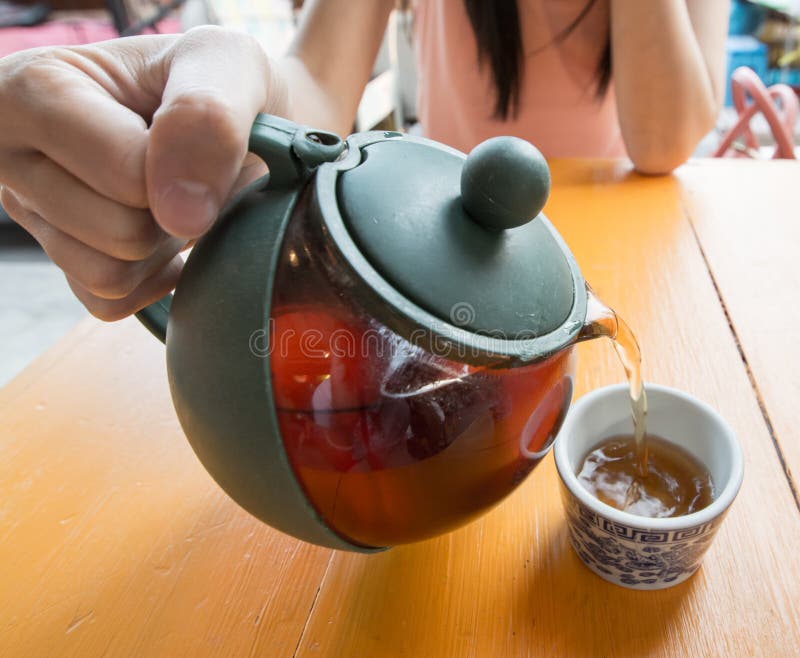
<point>460,237</point>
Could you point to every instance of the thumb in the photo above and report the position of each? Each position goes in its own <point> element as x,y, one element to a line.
<point>216,82</point>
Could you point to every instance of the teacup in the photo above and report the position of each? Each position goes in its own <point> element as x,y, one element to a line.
<point>636,551</point>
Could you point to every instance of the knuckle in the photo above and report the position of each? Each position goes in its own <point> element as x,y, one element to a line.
<point>136,240</point>
<point>20,213</point>
<point>111,280</point>
<point>33,73</point>
<point>102,309</point>
<point>17,212</point>
<point>107,311</point>
<point>248,46</point>
<point>202,34</point>
<point>209,109</point>
<point>12,204</point>
<point>127,173</point>
<point>25,175</point>
<point>27,78</point>
<point>205,36</point>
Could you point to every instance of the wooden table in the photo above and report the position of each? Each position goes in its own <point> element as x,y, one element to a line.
<point>115,542</point>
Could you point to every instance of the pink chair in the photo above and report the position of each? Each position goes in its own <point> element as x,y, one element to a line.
<point>778,104</point>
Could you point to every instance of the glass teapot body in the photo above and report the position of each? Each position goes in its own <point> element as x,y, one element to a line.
<point>392,442</point>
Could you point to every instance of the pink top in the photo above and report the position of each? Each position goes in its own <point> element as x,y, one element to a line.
<point>558,110</point>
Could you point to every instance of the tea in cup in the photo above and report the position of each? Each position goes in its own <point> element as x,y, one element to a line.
<point>654,536</point>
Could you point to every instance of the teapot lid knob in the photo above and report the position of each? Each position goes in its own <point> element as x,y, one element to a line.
<point>505,183</point>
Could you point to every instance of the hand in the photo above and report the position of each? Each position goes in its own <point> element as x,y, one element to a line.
<point>114,156</point>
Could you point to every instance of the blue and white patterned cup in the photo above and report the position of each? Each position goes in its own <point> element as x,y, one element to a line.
<point>635,551</point>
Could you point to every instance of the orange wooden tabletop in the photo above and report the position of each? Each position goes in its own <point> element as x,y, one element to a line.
<point>115,542</point>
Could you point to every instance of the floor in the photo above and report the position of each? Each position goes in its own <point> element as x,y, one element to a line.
<point>36,304</point>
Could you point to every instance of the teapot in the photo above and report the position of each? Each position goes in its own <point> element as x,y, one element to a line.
<point>374,344</point>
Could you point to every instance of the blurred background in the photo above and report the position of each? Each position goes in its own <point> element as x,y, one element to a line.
<point>36,305</point>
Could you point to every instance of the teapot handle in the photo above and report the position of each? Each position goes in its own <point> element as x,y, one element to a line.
<point>291,153</point>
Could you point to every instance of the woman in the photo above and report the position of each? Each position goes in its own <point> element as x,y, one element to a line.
<point>114,155</point>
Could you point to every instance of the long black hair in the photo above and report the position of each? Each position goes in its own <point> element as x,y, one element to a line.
<point>499,37</point>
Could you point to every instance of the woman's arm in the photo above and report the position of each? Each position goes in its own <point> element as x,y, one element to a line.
<point>331,59</point>
<point>668,59</point>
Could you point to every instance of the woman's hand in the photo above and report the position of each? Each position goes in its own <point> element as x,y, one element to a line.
<point>114,155</point>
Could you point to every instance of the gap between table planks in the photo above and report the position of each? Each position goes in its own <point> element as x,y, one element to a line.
<point>745,215</point>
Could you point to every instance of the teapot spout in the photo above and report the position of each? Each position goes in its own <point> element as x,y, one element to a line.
<point>601,321</point>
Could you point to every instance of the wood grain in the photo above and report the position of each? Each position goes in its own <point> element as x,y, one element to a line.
<point>509,585</point>
<point>114,541</point>
<point>747,218</point>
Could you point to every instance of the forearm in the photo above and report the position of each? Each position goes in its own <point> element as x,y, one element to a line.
<point>309,100</point>
<point>668,65</point>
<point>330,61</point>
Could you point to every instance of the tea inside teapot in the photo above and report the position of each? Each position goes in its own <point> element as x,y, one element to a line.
<point>391,442</point>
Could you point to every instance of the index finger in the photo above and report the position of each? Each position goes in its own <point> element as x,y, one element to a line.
<point>86,112</point>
